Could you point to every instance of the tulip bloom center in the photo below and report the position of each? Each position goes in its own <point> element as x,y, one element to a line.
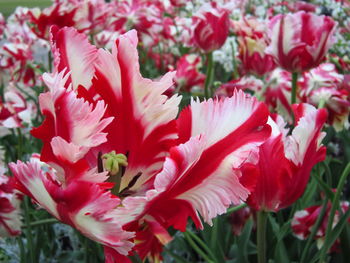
<point>115,163</point>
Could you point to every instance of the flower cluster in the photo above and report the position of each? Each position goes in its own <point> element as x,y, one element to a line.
<point>102,106</point>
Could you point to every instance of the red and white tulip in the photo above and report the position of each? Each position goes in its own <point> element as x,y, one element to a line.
<point>253,40</point>
<point>10,214</point>
<point>15,111</point>
<point>304,220</point>
<point>285,161</point>
<point>211,26</point>
<point>187,72</point>
<point>123,168</point>
<point>301,40</point>
<point>323,85</point>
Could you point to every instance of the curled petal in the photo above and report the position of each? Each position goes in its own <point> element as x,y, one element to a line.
<point>10,212</point>
<point>31,180</point>
<point>307,133</point>
<point>201,174</point>
<point>285,161</point>
<point>73,52</point>
<point>73,119</point>
<point>91,212</point>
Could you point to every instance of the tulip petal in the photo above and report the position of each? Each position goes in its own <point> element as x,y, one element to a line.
<point>144,128</point>
<point>73,52</point>
<point>69,118</point>
<point>202,174</point>
<point>91,212</point>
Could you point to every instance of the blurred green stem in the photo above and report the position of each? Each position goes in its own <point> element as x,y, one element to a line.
<point>20,143</point>
<point>335,205</point>
<point>197,248</point>
<point>28,230</point>
<point>43,222</point>
<point>214,233</point>
<point>21,248</point>
<point>236,208</point>
<point>235,66</point>
<point>135,259</point>
<point>29,235</point>
<point>208,86</point>
<point>328,173</point>
<point>294,87</point>
<point>201,243</point>
<point>261,236</point>
<point>86,250</point>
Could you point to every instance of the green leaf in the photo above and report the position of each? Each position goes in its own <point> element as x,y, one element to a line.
<point>243,241</point>
<point>314,231</point>
<point>193,240</point>
<point>336,231</point>
<point>281,254</point>
<point>177,258</point>
<point>309,194</point>
<point>325,188</point>
<point>330,238</point>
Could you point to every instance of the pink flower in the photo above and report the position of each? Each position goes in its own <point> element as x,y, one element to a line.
<point>178,3</point>
<point>285,161</point>
<point>183,25</point>
<point>187,72</point>
<point>253,40</point>
<point>277,93</point>
<point>146,16</point>
<point>92,16</point>
<point>123,168</point>
<point>324,85</point>
<point>106,39</point>
<point>15,111</point>
<point>304,220</point>
<point>250,83</point>
<point>16,58</point>
<point>301,40</point>
<point>161,59</point>
<point>10,218</point>
<point>292,7</point>
<point>60,14</point>
<point>210,27</point>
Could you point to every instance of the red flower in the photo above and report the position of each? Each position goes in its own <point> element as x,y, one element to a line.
<point>250,83</point>
<point>123,169</point>
<point>188,74</point>
<point>15,111</point>
<point>300,41</point>
<point>304,220</point>
<point>60,14</point>
<point>146,16</point>
<point>324,85</point>
<point>211,27</point>
<point>285,161</point>
<point>293,7</point>
<point>10,219</point>
<point>253,40</point>
<point>278,92</point>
